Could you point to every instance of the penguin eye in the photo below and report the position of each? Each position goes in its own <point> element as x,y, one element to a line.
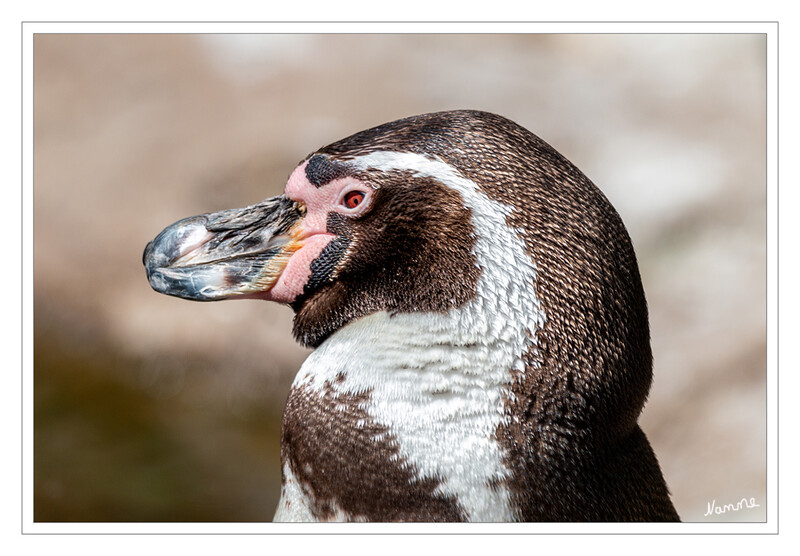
<point>353,199</point>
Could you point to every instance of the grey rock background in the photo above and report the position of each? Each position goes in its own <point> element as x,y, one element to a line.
<point>149,408</point>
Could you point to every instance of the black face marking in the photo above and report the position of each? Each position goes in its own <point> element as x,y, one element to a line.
<point>321,170</point>
<point>323,266</point>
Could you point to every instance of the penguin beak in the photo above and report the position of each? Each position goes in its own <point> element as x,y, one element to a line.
<point>234,253</point>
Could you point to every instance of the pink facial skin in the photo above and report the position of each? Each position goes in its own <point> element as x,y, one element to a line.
<point>319,202</point>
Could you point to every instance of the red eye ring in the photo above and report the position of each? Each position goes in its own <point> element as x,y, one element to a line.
<point>353,198</point>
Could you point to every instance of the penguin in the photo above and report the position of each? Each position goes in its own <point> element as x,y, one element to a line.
<point>479,325</point>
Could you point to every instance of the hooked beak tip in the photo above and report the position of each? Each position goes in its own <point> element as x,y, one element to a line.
<point>146,254</point>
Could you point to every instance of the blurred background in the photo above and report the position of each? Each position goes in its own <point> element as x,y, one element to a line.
<point>151,408</point>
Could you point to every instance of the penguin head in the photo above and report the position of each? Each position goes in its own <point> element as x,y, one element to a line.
<point>384,238</point>
<point>403,217</point>
<point>365,224</point>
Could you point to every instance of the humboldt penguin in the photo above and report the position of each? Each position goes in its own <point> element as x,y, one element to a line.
<point>482,348</point>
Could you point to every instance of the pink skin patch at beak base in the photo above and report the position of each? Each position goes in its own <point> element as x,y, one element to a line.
<point>313,233</point>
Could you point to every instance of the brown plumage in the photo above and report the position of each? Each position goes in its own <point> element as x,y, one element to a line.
<point>559,425</point>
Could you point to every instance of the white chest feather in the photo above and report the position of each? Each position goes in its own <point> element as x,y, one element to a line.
<point>439,382</point>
